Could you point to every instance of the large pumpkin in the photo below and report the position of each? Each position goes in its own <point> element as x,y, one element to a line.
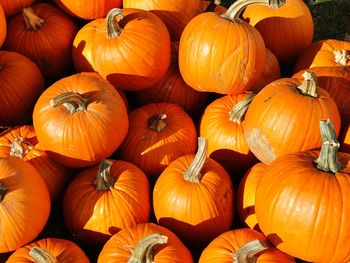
<point>158,134</point>
<point>146,242</point>
<point>21,85</point>
<point>285,25</point>
<point>80,120</point>
<point>105,198</point>
<point>49,250</point>
<point>284,117</point>
<point>302,202</point>
<point>43,33</point>
<point>221,53</point>
<point>24,203</point>
<point>194,198</point>
<point>12,7</point>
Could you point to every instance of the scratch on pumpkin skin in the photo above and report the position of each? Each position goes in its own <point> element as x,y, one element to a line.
<point>260,145</point>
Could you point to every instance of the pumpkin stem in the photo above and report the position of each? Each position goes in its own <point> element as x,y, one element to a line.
<point>248,252</point>
<point>74,102</point>
<point>33,22</point>
<point>142,253</point>
<point>113,28</point>
<point>309,85</point>
<point>20,147</point>
<point>236,114</point>
<point>328,159</point>
<point>42,256</point>
<point>157,122</point>
<point>3,190</point>
<point>234,12</point>
<point>341,57</point>
<point>104,180</point>
<point>193,173</point>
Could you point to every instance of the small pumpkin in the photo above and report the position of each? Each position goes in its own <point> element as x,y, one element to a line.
<point>105,198</point>
<point>49,250</point>
<point>145,242</point>
<point>80,120</point>
<point>13,7</point>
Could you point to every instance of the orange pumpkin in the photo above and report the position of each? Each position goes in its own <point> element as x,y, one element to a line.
<point>201,191</point>
<point>158,134</point>
<point>302,202</point>
<point>24,203</point>
<point>12,7</point>
<point>284,117</point>
<point>3,24</point>
<point>43,33</point>
<point>105,198</point>
<point>221,53</point>
<point>21,85</point>
<point>324,53</point>
<point>242,245</point>
<point>21,142</point>
<point>80,120</point>
<point>49,250</point>
<point>285,25</point>
<point>146,242</point>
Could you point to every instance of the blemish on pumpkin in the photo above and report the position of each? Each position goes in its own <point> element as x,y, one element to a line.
<point>260,146</point>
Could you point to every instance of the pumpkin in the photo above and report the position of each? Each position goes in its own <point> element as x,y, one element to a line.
<point>202,192</point>
<point>3,24</point>
<point>24,203</point>
<point>90,10</point>
<point>302,202</point>
<point>324,53</point>
<point>21,142</point>
<point>43,33</point>
<point>80,120</point>
<point>242,245</point>
<point>49,250</point>
<point>105,198</point>
<point>285,25</point>
<point>246,195</point>
<point>125,48</point>
<point>158,134</point>
<point>174,13</point>
<point>284,117</point>
<point>21,85</point>
<point>221,125</point>
<point>145,242</point>
<point>173,89</point>
<point>221,53</point>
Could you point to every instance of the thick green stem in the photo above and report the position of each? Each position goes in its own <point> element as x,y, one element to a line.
<point>113,28</point>
<point>33,22</point>
<point>341,57</point>
<point>20,147</point>
<point>328,159</point>
<point>157,122</point>
<point>235,10</point>
<point>309,84</point>
<point>142,253</point>
<point>3,191</point>
<point>193,173</point>
<point>73,102</point>
<point>104,180</point>
<point>238,111</point>
<point>42,256</point>
<point>249,252</point>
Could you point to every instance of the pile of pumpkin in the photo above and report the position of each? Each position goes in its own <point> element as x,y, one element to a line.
<point>164,131</point>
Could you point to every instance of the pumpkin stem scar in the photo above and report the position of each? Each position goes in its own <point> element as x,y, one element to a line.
<point>341,57</point>
<point>157,122</point>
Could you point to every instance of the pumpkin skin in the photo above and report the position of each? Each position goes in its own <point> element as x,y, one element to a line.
<point>48,42</point>
<point>13,7</point>
<point>80,137</point>
<point>115,248</point>
<point>321,54</point>
<point>210,47</point>
<point>63,250</point>
<point>90,10</point>
<point>93,213</point>
<point>152,143</point>
<point>21,142</point>
<point>26,200</point>
<point>21,85</point>
<point>3,25</point>
<point>286,30</point>
<point>222,248</point>
<point>282,120</point>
